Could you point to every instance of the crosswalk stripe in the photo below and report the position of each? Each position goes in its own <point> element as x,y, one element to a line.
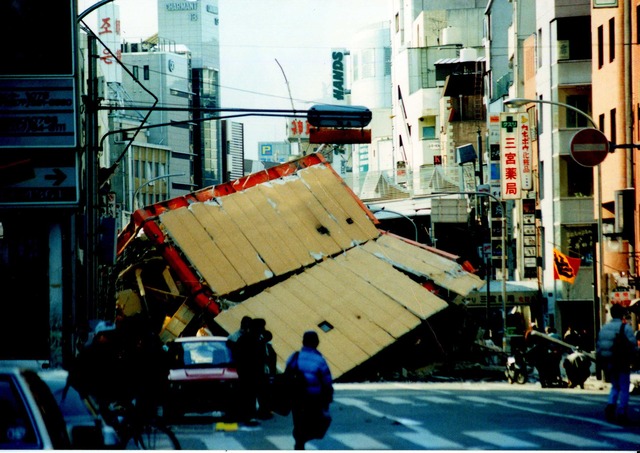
<point>359,441</point>
<point>437,400</point>
<point>500,439</point>
<point>477,399</point>
<point>576,400</point>
<point>282,442</point>
<point>518,399</point>
<point>570,439</point>
<point>222,442</point>
<point>426,440</point>
<point>393,400</point>
<point>627,437</point>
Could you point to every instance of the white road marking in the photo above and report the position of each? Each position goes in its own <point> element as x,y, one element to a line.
<point>427,440</point>
<point>501,440</point>
<point>570,439</point>
<point>359,441</point>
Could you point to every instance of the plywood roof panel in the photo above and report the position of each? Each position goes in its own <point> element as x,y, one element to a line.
<point>340,202</point>
<point>262,236</point>
<point>361,314</point>
<point>419,261</point>
<point>232,242</point>
<point>204,255</point>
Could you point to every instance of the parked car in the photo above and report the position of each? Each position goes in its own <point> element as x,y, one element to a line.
<point>30,417</point>
<point>87,429</point>
<point>202,376</point>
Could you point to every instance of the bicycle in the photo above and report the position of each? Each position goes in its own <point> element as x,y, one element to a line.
<point>138,431</point>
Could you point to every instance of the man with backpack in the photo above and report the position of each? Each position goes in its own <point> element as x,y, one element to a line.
<point>615,350</point>
<point>312,391</point>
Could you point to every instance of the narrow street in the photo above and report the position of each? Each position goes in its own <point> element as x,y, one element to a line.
<point>434,416</point>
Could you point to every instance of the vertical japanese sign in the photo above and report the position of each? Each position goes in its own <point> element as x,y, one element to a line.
<point>509,157</point>
<point>524,145</point>
<point>109,32</point>
<point>529,239</point>
<point>494,153</point>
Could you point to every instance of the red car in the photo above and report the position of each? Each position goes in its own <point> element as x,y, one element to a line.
<point>202,376</point>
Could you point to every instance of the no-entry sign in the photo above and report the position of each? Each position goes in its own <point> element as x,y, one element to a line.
<point>589,147</point>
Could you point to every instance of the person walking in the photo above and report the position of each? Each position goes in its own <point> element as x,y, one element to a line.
<point>244,347</point>
<point>311,399</point>
<point>265,388</point>
<point>615,349</point>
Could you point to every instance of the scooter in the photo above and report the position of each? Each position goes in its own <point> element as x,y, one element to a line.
<point>516,369</point>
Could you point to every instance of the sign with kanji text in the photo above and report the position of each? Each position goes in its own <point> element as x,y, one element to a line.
<point>298,129</point>
<point>510,171</point>
<point>620,297</point>
<point>524,145</point>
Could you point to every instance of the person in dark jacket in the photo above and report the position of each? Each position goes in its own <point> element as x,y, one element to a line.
<point>617,365</point>
<point>310,408</point>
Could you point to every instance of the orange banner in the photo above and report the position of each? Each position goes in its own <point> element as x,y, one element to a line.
<point>564,267</point>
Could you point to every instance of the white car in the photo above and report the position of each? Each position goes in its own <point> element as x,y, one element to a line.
<point>30,418</point>
<point>86,428</point>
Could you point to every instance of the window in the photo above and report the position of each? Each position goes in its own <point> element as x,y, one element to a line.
<point>575,34</point>
<point>541,179</point>
<point>574,119</point>
<point>145,70</point>
<point>428,128</point>
<point>387,61</point>
<point>600,46</point>
<point>601,122</point>
<point>429,132</point>
<point>637,24</point>
<point>577,180</point>
<point>136,72</point>
<point>612,119</point>
<point>540,121</point>
<point>612,39</point>
<point>539,47</point>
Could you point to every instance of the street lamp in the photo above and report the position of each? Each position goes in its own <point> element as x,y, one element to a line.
<point>384,209</point>
<point>519,102</point>
<point>135,194</point>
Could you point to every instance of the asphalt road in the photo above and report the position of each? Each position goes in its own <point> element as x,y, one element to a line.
<point>434,416</point>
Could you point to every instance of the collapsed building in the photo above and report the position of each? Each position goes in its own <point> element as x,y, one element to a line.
<point>292,245</point>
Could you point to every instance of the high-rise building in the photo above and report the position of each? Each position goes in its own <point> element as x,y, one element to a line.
<point>195,24</point>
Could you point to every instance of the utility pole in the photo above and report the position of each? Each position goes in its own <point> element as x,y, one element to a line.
<point>90,186</point>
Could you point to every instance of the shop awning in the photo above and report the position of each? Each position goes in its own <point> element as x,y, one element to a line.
<point>517,292</point>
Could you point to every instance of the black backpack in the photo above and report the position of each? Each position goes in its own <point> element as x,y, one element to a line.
<point>288,387</point>
<point>621,351</point>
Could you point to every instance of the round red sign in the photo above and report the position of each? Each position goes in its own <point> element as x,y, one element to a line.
<point>589,147</point>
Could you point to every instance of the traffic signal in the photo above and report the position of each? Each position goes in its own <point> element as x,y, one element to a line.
<point>339,116</point>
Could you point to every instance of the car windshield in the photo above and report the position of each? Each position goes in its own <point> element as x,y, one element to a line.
<point>16,427</point>
<point>202,354</point>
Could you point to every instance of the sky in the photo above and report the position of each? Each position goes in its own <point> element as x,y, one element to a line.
<point>257,39</point>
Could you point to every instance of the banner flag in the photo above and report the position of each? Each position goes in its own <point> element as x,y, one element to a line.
<point>564,267</point>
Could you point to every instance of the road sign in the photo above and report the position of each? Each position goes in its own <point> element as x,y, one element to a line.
<point>589,147</point>
<point>39,180</point>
